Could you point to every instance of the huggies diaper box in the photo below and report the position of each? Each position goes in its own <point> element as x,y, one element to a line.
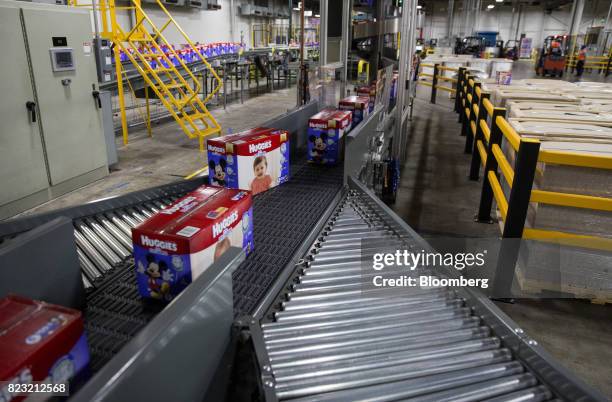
<point>359,105</point>
<point>368,91</point>
<point>176,245</point>
<point>326,131</point>
<point>254,160</point>
<point>39,342</point>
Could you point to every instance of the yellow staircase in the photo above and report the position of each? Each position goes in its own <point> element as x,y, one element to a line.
<point>179,91</point>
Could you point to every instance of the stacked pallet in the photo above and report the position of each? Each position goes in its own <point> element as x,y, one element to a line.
<point>572,118</point>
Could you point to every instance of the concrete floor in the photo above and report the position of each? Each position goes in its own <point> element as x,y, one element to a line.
<point>436,198</point>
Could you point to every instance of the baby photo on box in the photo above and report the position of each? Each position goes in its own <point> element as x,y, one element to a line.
<point>254,160</point>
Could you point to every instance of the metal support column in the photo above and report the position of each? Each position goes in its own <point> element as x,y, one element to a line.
<point>323,33</point>
<point>577,9</point>
<point>347,8</point>
<point>450,20</point>
<point>405,67</point>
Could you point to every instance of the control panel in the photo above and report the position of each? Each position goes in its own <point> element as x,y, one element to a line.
<point>62,59</point>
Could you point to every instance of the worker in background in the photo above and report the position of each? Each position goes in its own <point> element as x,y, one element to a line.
<point>555,48</point>
<point>581,61</point>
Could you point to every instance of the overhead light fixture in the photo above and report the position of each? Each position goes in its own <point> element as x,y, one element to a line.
<point>499,1</point>
<point>419,7</point>
<point>307,13</point>
<point>317,15</point>
<point>491,6</point>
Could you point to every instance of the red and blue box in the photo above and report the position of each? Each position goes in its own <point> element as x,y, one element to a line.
<point>176,245</point>
<point>326,131</point>
<point>39,342</point>
<point>358,105</point>
<point>254,160</point>
<point>368,91</point>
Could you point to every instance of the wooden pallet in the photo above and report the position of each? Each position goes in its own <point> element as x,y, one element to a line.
<point>533,286</point>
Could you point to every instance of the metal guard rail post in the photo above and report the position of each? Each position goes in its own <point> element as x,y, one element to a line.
<point>459,95</point>
<point>480,137</point>
<point>474,111</point>
<point>491,166</point>
<point>434,84</point>
<point>467,104</point>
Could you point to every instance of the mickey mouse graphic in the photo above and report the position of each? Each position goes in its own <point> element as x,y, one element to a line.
<point>217,172</point>
<point>158,277</point>
<point>319,147</point>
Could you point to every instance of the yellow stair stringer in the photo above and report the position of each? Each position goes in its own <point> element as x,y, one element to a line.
<point>144,43</point>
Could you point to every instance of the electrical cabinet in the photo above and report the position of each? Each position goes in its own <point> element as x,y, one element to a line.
<point>51,136</point>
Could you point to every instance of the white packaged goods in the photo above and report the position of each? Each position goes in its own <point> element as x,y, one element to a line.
<point>562,131</point>
<point>565,116</point>
<point>500,65</point>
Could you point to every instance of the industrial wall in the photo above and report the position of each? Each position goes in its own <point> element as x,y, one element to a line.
<point>535,23</point>
<point>205,26</point>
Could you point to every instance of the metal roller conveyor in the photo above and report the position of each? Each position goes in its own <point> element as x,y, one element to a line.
<point>108,238</point>
<point>117,232</point>
<point>92,253</point>
<point>332,338</point>
<point>98,243</point>
<point>120,223</point>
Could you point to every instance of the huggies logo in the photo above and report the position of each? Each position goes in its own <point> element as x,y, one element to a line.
<point>164,245</point>
<point>253,148</point>
<point>184,206</point>
<point>218,150</point>
<point>318,125</point>
<point>219,227</point>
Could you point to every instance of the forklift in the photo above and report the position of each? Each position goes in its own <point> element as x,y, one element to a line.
<point>473,45</point>
<point>551,60</point>
<point>511,49</point>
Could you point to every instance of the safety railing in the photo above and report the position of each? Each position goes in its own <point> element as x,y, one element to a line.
<point>437,77</point>
<point>488,133</point>
<point>600,64</point>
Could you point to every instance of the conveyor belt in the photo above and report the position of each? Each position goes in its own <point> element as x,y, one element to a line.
<point>331,340</point>
<point>115,311</point>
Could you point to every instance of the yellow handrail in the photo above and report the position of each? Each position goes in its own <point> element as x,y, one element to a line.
<point>488,106</point>
<point>511,135</point>
<point>503,163</point>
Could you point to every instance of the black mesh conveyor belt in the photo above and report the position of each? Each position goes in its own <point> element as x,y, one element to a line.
<point>282,218</point>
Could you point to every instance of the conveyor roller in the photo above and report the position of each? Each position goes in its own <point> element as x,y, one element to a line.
<point>332,339</point>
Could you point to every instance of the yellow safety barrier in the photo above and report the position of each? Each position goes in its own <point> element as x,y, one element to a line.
<point>444,68</point>
<point>446,88</point>
<point>568,239</point>
<point>575,159</point>
<point>511,135</point>
<point>488,106</point>
<point>450,79</point>
<point>482,151</point>
<point>426,75</point>
<point>498,193</point>
<point>503,163</point>
<point>483,136</point>
<point>486,132</point>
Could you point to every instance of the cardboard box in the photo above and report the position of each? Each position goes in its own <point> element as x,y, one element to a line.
<point>368,91</point>
<point>39,342</point>
<point>254,160</point>
<point>358,105</point>
<point>176,245</point>
<point>326,131</point>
